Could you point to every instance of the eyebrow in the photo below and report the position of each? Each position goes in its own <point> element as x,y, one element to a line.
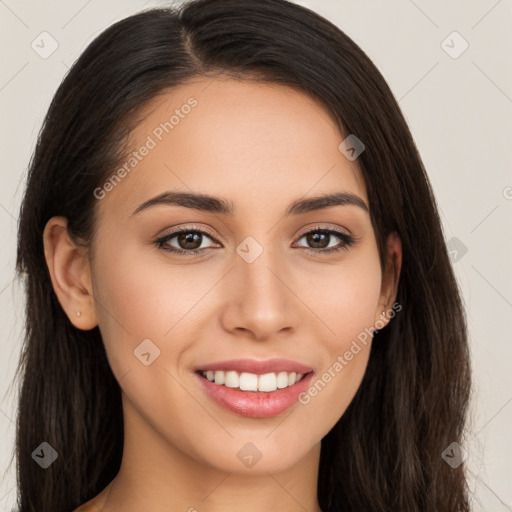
<point>213,204</point>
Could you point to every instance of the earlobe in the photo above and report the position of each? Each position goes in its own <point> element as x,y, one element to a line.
<point>70,274</point>
<point>390,279</point>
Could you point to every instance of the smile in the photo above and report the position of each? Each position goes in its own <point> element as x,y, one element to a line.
<point>254,388</point>
<point>246,381</point>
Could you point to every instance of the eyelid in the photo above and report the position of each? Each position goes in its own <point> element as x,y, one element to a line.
<point>187,227</point>
<point>325,227</point>
<point>193,227</point>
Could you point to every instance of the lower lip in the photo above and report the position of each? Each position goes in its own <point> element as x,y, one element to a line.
<point>255,404</point>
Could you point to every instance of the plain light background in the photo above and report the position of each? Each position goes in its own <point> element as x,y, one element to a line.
<point>458,105</point>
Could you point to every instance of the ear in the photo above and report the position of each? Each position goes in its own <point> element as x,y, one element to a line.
<point>390,278</point>
<point>70,274</point>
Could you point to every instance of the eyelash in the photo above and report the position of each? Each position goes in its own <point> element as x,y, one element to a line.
<point>348,241</point>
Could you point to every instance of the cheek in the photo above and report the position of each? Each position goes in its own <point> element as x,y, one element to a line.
<point>140,296</point>
<point>355,305</point>
<point>344,299</point>
<point>132,294</point>
<point>346,304</point>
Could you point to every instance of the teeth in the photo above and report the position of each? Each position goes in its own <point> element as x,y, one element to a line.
<point>267,382</point>
<point>282,380</point>
<point>248,382</point>
<point>232,380</point>
<point>245,381</point>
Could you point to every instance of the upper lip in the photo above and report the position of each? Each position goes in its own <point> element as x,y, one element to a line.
<point>257,367</point>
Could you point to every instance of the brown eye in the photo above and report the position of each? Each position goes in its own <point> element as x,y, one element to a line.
<point>184,241</point>
<point>323,240</point>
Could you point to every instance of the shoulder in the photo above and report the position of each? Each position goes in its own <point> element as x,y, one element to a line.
<point>95,503</point>
<point>90,506</point>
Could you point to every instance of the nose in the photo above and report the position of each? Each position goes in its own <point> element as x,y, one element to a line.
<point>260,299</point>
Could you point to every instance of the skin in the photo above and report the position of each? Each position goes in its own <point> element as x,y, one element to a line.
<point>260,146</point>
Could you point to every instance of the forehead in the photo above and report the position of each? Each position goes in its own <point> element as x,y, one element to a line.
<point>237,139</point>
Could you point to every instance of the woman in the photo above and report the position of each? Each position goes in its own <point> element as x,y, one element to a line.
<point>237,282</point>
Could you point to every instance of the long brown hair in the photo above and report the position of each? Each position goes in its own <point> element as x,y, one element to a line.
<point>384,454</point>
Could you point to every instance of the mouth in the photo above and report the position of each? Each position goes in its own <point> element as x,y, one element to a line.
<point>254,389</point>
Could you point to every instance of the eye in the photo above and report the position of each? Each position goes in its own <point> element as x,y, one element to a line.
<point>188,241</point>
<point>320,239</point>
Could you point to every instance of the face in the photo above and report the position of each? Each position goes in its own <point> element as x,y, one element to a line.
<point>246,279</point>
